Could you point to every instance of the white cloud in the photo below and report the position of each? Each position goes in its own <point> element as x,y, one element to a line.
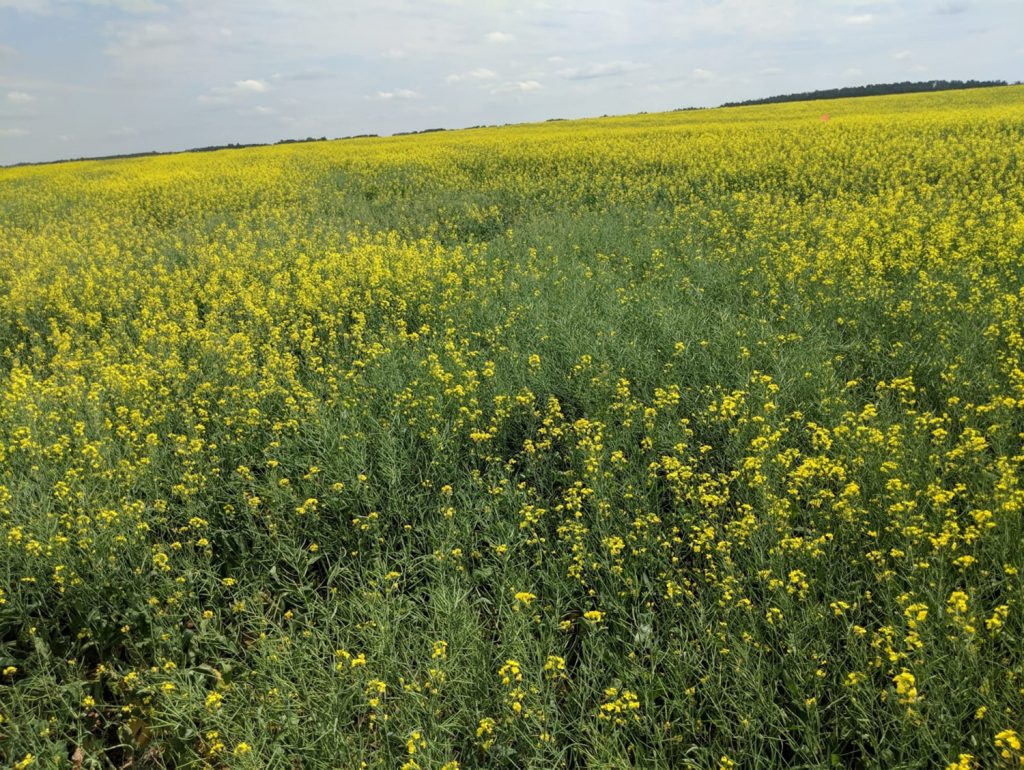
<point>601,70</point>
<point>310,73</point>
<point>853,72</point>
<point>481,73</point>
<point>251,86</point>
<point>499,37</point>
<point>32,6</point>
<point>7,51</point>
<point>399,93</point>
<point>49,6</point>
<point>19,97</point>
<point>132,6</point>
<point>522,85</point>
<point>702,74</point>
<point>861,18</point>
<point>143,38</point>
<point>772,71</point>
<point>13,132</point>
<point>238,90</point>
<point>901,56</point>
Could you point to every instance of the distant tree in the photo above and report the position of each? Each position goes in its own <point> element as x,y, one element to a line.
<point>875,89</point>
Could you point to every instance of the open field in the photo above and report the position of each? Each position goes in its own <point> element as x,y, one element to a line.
<point>664,441</point>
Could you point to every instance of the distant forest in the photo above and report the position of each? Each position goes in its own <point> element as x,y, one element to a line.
<point>879,89</point>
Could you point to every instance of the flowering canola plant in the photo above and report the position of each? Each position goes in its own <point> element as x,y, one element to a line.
<point>678,440</point>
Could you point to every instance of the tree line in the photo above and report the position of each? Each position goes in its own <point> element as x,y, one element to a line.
<point>875,89</point>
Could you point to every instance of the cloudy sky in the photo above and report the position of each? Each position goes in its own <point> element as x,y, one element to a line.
<point>91,77</point>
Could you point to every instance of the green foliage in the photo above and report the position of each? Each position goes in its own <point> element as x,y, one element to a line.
<point>686,440</point>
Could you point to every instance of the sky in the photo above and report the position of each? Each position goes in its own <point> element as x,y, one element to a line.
<point>96,77</point>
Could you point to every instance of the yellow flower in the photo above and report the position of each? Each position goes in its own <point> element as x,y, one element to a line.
<point>906,687</point>
<point>1008,744</point>
<point>854,678</point>
<point>963,762</point>
<point>485,731</point>
<point>555,667</point>
<point>998,619</point>
<point>510,672</point>
<point>957,603</point>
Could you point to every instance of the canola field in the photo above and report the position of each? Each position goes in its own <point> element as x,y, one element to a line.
<point>688,440</point>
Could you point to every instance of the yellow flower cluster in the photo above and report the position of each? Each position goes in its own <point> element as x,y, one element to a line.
<point>692,438</point>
